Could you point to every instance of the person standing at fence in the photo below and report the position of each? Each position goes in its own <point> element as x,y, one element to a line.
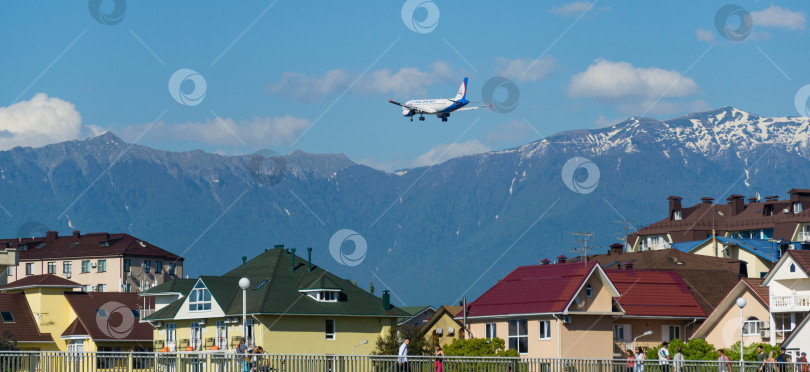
<point>241,348</point>
<point>631,360</point>
<point>724,364</point>
<point>439,358</point>
<point>802,360</point>
<point>769,363</point>
<point>761,358</point>
<point>403,356</point>
<point>782,360</point>
<point>678,360</point>
<point>639,359</point>
<point>663,357</point>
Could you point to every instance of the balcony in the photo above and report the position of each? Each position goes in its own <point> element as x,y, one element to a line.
<point>797,302</point>
<point>804,236</point>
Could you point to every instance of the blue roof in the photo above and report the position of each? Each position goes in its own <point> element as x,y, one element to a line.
<point>760,247</point>
<point>686,246</point>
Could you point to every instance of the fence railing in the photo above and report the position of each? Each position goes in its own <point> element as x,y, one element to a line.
<point>17,361</point>
<point>792,302</point>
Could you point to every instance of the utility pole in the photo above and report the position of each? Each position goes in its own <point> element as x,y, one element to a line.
<point>583,248</point>
<point>629,226</point>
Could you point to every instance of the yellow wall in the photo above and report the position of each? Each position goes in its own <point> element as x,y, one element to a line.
<point>756,264</point>
<point>444,322</point>
<point>51,311</point>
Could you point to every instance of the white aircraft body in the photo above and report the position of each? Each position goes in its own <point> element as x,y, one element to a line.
<point>440,107</point>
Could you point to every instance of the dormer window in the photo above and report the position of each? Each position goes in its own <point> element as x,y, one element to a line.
<point>793,267</point>
<point>677,215</point>
<point>322,295</point>
<point>588,290</point>
<point>797,208</point>
<point>200,298</point>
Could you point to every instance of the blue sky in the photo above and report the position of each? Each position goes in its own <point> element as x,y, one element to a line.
<point>291,76</point>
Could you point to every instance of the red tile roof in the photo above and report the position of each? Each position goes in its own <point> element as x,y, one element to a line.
<point>84,245</point>
<point>46,280</point>
<point>23,327</point>
<point>533,290</point>
<point>654,293</point>
<point>118,325</point>
<point>762,291</point>
<point>802,257</point>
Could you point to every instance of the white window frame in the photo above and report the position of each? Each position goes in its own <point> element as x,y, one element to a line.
<point>491,330</point>
<point>85,266</point>
<point>616,335</point>
<point>195,335</point>
<point>222,335</point>
<point>101,266</point>
<point>797,208</point>
<point>199,299</point>
<point>102,288</point>
<point>518,336</point>
<point>330,336</point>
<point>29,268</point>
<point>250,337</point>
<point>171,336</point>
<point>669,332</point>
<point>544,330</point>
<point>52,267</point>
<point>67,267</point>
<point>752,323</point>
<point>677,215</point>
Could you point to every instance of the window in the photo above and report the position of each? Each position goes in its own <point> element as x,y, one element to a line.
<point>196,336</point>
<point>171,335</point>
<point>158,267</point>
<point>677,215</point>
<point>793,267</point>
<point>673,332</point>
<point>105,243</point>
<point>102,313</point>
<point>491,331</point>
<point>127,287</point>
<point>249,338</point>
<point>7,317</point>
<point>618,332</point>
<point>85,288</point>
<point>102,266</point>
<point>324,296</point>
<point>67,267</point>
<point>172,266</point>
<point>29,269</point>
<point>751,327</point>
<point>519,335</point>
<point>86,266</point>
<point>545,330</point>
<point>127,265</point>
<point>51,267</point>
<point>330,329</point>
<point>147,266</point>
<point>102,288</point>
<point>199,298</point>
<point>797,207</point>
<point>9,271</point>
<point>588,290</point>
<point>222,335</point>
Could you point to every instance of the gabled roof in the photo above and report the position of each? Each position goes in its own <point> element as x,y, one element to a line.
<point>85,245</point>
<point>537,289</point>
<point>760,247</point>
<point>75,329</point>
<point>801,257</point>
<point>451,312</point>
<point>654,293</point>
<point>46,280</point>
<point>24,327</point>
<point>754,286</point>
<point>276,289</point>
<point>111,325</point>
<point>413,312</point>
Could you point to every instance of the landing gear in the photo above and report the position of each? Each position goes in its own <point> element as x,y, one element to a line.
<point>411,118</point>
<point>421,118</point>
<point>444,120</point>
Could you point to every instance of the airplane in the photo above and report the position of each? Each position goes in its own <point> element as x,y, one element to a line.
<point>439,107</point>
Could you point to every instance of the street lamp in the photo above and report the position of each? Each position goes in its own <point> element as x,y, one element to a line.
<point>362,343</point>
<point>741,304</point>
<point>637,337</point>
<point>244,283</point>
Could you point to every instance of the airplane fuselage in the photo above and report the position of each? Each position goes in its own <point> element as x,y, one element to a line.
<point>439,107</point>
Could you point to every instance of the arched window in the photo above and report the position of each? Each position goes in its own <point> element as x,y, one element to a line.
<point>751,327</point>
<point>793,267</point>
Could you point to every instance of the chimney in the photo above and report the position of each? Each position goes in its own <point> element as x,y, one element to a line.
<point>707,200</point>
<point>279,246</point>
<point>545,261</point>
<point>77,234</point>
<point>737,204</point>
<point>772,198</point>
<point>752,200</point>
<point>244,259</point>
<point>616,248</point>
<point>51,236</point>
<point>674,205</point>
<point>292,260</point>
<point>386,300</point>
<point>309,259</point>
<point>561,259</point>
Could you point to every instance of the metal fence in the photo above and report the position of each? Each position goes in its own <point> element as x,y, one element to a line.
<point>17,361</point>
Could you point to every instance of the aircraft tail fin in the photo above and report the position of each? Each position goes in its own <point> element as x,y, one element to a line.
<point>462,91</point>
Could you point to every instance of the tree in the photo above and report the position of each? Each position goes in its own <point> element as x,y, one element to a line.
<point>479,347</point>
<point>371,287</point>
<point>8,342</point>
<point>749,351</point>
<point>389,345</point>
<point>695,349</point>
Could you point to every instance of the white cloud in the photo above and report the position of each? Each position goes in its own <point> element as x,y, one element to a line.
<point>705,35</point>
<point>40,121</point>
<point>571,9</point>
<point>258,132</point>
<point>512,131</point>
<point>524,69</point>
<point>777,17</point>
<point>621,82</point>
<point>405,81</point>
<point>444,152</point>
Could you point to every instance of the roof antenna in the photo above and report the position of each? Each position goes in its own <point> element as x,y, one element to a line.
<point>583,249</point>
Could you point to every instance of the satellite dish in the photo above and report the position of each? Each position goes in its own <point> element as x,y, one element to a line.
<point>580,303</point>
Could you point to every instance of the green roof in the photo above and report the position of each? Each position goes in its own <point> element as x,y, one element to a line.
<point>281,294</point>
<point>173,286</point>
<point>413,310</point>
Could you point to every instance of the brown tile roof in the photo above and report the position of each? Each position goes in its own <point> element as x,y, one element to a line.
<point>708,278</point>
<point>84,245</point>
<point>801,257</point>
<point>761,290</point>
<point>115,322</point>
<point>659,293</point>
<point>46,280</point>
<point>75,329</point>
<point>23,327</point>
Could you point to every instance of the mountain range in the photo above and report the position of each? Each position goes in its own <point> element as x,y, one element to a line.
<point>433,234</point>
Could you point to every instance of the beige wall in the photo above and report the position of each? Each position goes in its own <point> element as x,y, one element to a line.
<point>634,327</point>
<point>726,331</point>
<point>756,264</point>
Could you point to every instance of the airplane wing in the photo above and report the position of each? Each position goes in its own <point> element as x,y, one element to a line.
<point>395,102</point>
<point>472,108</point>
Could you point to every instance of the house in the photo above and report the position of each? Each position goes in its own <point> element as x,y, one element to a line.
<point>443,327</point>
<point>799,339</point>
<point>8,258</point>
<point>47,313</point>
<point>708,278</point>
<point>652,300</point>
<point>417,316</point>
<point>785,220</point>
<point>99,262</point>
<point>789,290</point>
<point>563,310</point>
<point>759,255</point>
<point>722,327</point>
<point>293,307</point>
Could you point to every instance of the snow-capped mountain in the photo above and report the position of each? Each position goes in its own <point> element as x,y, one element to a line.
<point>434,234</point>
